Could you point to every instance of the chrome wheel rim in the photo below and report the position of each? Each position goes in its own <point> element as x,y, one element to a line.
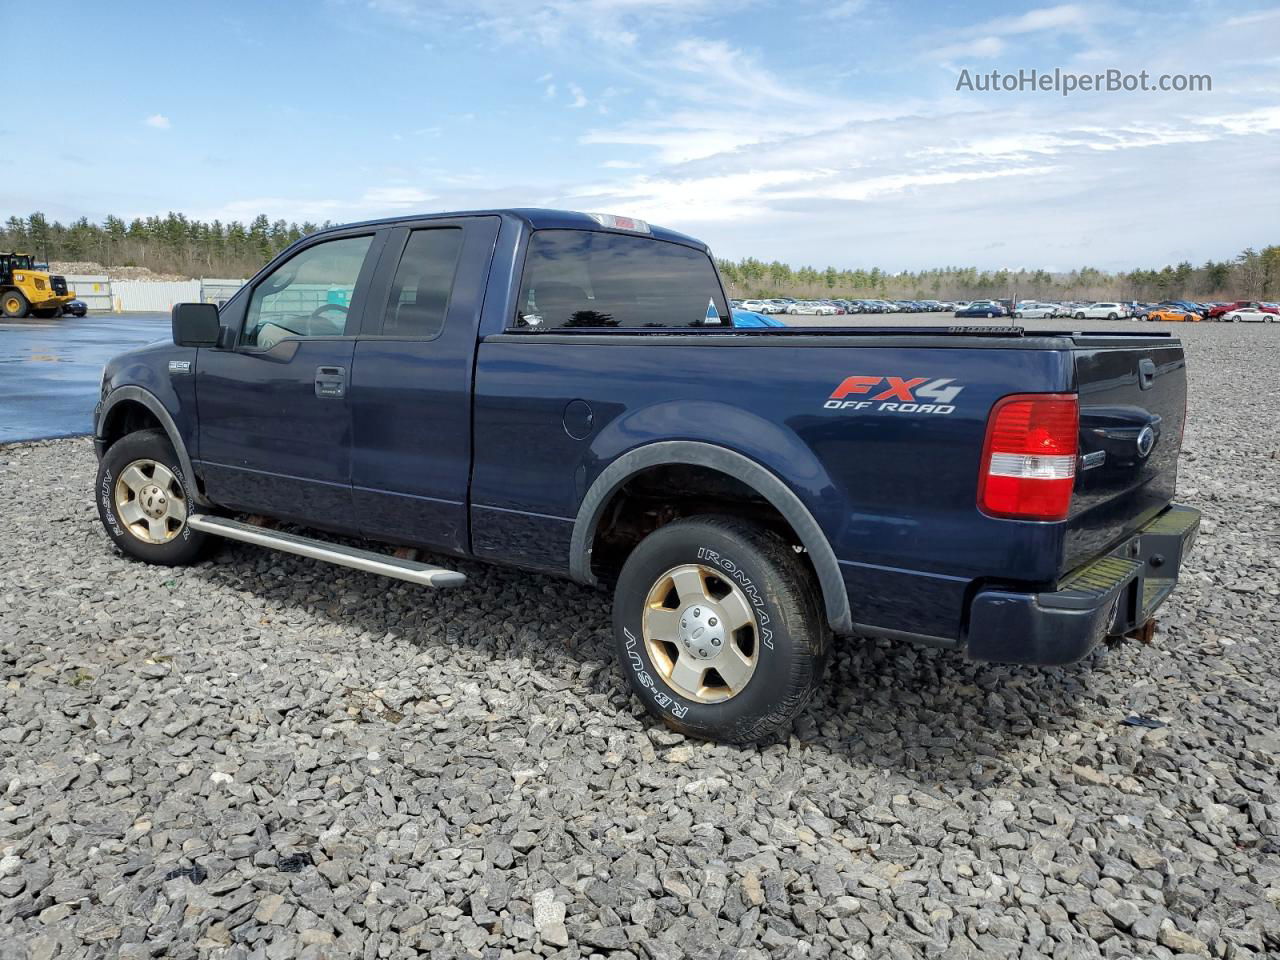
<point>150,501</point>
<point>700,633</point>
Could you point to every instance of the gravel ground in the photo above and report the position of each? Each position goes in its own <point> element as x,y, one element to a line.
<point>266,757</point>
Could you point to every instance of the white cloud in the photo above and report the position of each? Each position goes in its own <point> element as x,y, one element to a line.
<point>984,48</point>
<point>1067,16</point>
<point>614,23</point>
<point>579,98</point>
<point>157,120</point>
<point>845,9</point>
<point>395,196</point>
<point>1252,18</point>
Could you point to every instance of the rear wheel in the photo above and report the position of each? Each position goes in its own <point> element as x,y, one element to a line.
<point>719,629</point>
<point>144,500</point>
<point>1112,316</point>
<point>1080,316</point>
<point>13,304</point>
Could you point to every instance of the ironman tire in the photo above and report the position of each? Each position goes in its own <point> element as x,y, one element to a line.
<point>787,637</point>
<point>148,458</point>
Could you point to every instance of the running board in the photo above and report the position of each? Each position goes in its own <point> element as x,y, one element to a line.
<point>356,559</point>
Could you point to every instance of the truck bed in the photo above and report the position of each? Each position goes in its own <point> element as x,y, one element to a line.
<point>894,491</point>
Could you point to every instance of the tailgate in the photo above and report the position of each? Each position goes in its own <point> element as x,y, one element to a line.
<point>1132,406</point>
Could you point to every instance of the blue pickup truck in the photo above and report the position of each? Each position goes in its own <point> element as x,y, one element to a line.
<point>568,393</point>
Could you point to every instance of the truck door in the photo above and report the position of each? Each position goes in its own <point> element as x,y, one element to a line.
<point>274,407</point>
<point>411,383</point>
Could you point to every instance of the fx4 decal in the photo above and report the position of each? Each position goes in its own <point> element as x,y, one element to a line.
<point>895,395</point>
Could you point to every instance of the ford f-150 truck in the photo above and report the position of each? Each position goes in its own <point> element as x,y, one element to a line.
<point>567,393</point>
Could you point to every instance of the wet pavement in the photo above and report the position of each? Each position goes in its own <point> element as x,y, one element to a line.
<point>50,369</point>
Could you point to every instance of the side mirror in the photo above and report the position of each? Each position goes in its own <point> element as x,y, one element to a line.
<point>195,324</point>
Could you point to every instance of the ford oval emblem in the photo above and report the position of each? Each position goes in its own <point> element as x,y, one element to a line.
<point>1146,440</point>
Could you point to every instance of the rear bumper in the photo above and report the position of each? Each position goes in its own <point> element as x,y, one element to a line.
<point>1112,595</point>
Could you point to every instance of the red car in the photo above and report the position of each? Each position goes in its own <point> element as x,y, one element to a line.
<point>1216,312</point>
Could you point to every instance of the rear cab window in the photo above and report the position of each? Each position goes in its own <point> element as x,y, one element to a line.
<point>593,279</point>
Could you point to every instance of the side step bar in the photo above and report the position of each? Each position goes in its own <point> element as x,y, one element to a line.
<point>356,559</point>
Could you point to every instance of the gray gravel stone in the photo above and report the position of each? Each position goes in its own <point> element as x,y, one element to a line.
<point>467,775</point>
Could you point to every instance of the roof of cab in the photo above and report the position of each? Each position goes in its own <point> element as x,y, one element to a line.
<point>536,218</point>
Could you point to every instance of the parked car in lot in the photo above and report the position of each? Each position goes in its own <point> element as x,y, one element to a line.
<point>595,414</point>
<point>1216,312</point>
<point>1035,311</point>
<point>1173,314</point>
<point>1254,314</point>
<point>981,308</point>
<point>75,308</point>
<point>1105,310</point>
<point>811,308</point>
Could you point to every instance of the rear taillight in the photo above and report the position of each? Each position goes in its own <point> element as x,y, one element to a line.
<point>1029,459</point>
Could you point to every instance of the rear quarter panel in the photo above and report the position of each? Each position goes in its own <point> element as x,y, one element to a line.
<point>893,491</point>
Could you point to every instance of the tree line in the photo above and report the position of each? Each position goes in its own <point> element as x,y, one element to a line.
<point>180,245</point>
<point>172,244</point>
<point>1253,274</point>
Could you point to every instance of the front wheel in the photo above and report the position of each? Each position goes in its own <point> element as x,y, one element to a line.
<point>144,500</point>
<point>719,629</point>
<point>1017,315</point>
<point>13,304</point>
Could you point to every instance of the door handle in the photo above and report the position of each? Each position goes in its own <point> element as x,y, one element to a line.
<point>331,382</point>
<point>1146,373</point>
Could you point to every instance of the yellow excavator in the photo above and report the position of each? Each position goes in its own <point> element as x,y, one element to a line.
<point>24,289</point>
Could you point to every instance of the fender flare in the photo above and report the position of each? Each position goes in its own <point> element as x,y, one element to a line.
<point>153,404</point>
<point>669,452</point>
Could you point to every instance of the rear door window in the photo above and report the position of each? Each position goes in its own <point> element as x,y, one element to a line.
<point>423,283</point>
<point>586,279</point>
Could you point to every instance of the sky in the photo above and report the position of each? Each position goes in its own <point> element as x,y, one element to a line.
<point>810,132</point>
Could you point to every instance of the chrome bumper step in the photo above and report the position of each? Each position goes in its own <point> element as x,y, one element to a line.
<point>423,574</point>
